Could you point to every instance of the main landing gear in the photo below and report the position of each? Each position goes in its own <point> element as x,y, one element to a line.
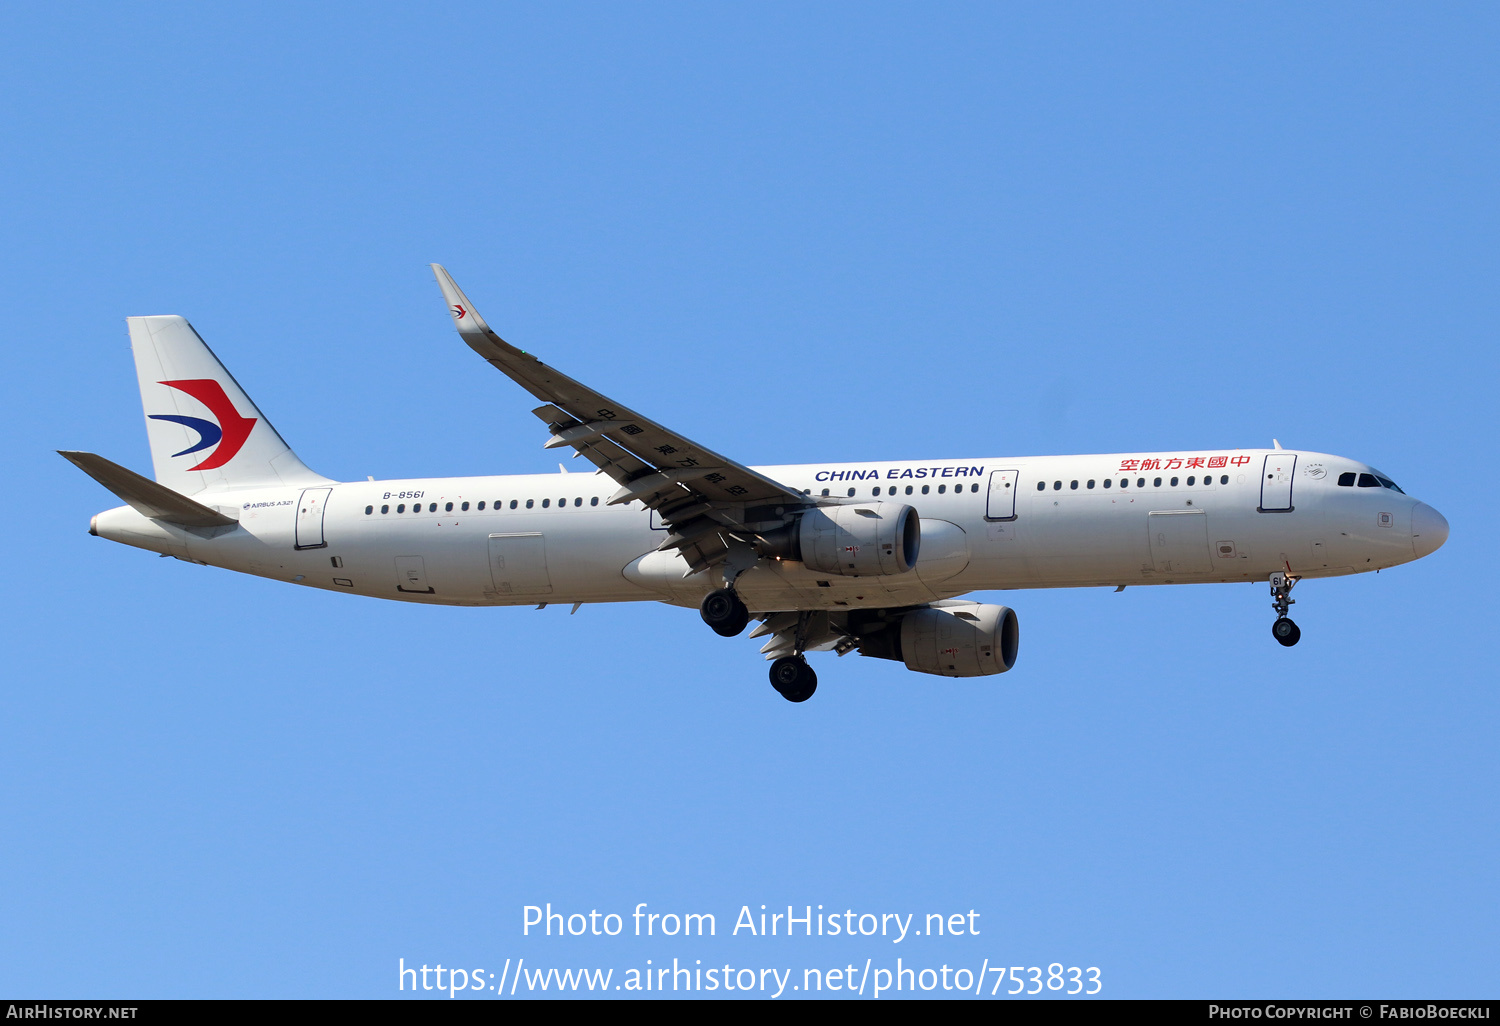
<point>724,612</point>
<point>1284,630</point>
<point>793,678</point>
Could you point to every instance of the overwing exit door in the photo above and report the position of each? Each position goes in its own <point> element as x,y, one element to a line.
<point>310,509</point>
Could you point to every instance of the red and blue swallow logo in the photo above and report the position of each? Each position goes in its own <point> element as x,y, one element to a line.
<point>229,434</point>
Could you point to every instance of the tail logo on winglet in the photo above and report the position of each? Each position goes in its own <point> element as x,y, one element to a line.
<point>229,434</point>
<point>459,312</point>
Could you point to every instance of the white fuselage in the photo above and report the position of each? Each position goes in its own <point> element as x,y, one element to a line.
<point>986,524</point>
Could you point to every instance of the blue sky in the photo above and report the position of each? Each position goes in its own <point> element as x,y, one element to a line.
<point>837,233</point>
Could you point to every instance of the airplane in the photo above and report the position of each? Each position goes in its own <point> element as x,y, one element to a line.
<point>869,557</point>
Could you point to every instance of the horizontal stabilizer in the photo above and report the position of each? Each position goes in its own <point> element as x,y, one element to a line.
<point>156,501</point>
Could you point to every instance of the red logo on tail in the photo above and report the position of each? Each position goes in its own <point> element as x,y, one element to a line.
<point>236,428</point>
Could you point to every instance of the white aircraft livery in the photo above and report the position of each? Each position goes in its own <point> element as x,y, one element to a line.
<point>867,557</point>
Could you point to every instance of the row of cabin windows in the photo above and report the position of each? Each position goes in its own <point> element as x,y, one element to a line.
<point>942,489</point>
<point>1347,480</point>
<point>1140,482</point>
<point>1367,481</point>
<point>463,507</point>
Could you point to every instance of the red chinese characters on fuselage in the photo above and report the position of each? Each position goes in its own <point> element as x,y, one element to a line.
<point>1176,463</point>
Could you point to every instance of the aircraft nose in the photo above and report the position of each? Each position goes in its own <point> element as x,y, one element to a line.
<point>1429,529</point>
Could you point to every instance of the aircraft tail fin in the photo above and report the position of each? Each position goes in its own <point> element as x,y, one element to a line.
<point>205,433</point>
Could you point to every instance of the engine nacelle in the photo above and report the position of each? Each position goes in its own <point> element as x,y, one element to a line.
<point>950,639</point>
<point>867,539</point>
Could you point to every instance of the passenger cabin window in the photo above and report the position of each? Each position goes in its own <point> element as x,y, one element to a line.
<point>1368,481</point>
<point>1108,482</point>
<point>1174,482</point>
<point>851,493</point>
<point>432,508</point>
<point>385,509</point>
<point>1223,479</point>
<point>908,489</point>
<point>1057,486</point>
<point>1091,483</point>
<point>594,501</point>
<point>369,510</point>
<point>1156,483</point>
<point>926,489</point>
<point>1191,480</point>
<point>1074,486</point>
<point>942,489</point>
<point>448,508</point>
<point>975,486</point>
<point>1041,486</point>
<point>529,503</point>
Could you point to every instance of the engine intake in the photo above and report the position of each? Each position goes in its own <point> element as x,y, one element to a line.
<point>951,639</point>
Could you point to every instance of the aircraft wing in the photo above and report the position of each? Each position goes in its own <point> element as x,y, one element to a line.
<point>700,494</point>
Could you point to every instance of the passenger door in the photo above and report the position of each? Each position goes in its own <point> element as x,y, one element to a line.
<point>1276,483</point>
<point>310,508</point>
<point>1001,503</point>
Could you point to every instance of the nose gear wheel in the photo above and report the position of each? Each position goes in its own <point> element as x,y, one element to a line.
<point>1284,630</point>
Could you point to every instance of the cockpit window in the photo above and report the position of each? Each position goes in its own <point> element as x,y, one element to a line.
<point>1347,480</point>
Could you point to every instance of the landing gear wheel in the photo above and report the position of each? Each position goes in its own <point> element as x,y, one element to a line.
<point>1283,630</point>
<point>724,612</point>
<point>793,678</point>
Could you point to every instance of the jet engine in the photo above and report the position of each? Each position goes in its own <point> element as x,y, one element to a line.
<point>857,540</point>
<point>950,639</point>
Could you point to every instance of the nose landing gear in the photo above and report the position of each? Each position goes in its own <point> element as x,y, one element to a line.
<point>1284,630</point>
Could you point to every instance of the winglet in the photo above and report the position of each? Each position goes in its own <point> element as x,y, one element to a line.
<point>465,318</point>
